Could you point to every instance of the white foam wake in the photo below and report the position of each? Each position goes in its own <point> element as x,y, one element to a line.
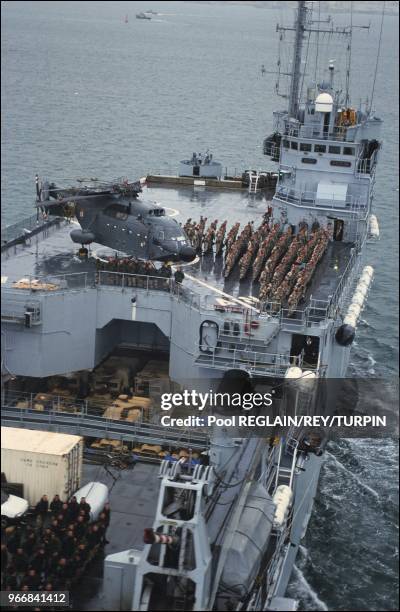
<point>305,591</point>
<point>362,484</point>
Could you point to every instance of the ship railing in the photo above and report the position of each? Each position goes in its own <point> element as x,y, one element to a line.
<point>273,567</point>
<point>295,129</point>
<point>15,230</point>
<point>164,170</point>
<point>344,284</point>
<point>15,310</point>
<point>89,424</point>
<point>269,476</point>
<point>309,198</point>
<point>172,170</point>
<point>125,280</point>
<point>271,364</point>
<point>366,165</point>
<point>149,283</point>
<point>48,284</point>
<point>69,404</point>
<point>314,314</point>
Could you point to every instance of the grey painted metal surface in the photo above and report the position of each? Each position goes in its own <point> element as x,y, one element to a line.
<point>327,158</point>
<point>90,425</point>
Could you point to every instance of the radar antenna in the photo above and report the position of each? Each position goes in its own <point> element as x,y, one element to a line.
<point>304,24</point>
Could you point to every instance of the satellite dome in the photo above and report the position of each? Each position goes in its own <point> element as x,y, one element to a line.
<point>324,103</point>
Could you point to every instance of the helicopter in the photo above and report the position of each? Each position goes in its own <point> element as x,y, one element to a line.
<point>112,214</point>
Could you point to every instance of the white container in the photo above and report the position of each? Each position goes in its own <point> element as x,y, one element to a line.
<point>46,463</point>
<point>96,495</point>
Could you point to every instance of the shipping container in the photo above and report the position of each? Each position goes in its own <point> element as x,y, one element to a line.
<point>45,463</point>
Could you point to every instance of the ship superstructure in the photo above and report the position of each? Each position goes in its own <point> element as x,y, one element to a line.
<point>223,532</point>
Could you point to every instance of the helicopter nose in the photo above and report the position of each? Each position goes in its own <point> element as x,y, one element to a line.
<point>187,253</point>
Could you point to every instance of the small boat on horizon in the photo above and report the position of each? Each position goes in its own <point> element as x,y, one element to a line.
<point>143,16</point>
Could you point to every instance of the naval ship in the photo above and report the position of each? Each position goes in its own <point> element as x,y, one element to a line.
<point>274,293</point>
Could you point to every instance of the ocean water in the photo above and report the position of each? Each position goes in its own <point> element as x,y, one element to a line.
<point>85,94</point>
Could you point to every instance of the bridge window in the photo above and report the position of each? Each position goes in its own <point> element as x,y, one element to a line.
<point>305,146</point>
<point>308,160</point>
<point>334,149</point>
<point>285,143</point>
<point>341,163</point>
<point>293,145</point>
<point>161,235</point>
<point>348,150</point>
<point>319,148</point>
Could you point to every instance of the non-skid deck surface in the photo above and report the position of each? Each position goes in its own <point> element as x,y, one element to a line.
<point>53,252</point>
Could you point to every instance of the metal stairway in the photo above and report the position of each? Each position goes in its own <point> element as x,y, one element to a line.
<point>253,182</point>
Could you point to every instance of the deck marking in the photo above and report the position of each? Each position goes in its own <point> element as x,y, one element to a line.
<point>230,297</point>
<point>175,211</point>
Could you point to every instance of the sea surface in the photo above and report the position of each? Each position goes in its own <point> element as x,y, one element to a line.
<point>86,94</point>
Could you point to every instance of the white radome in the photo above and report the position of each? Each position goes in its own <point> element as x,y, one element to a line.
<point>324,103</point>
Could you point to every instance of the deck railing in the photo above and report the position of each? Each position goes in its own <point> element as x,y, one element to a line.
<point>90,425</point>
<point>149,283</point>
<point>315,313</point>
<point>309,198</point>
<point>49,284</point>
<point>10,232</point>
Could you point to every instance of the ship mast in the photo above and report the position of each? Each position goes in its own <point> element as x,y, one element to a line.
<point>296,64</point>
<point>304,23</point>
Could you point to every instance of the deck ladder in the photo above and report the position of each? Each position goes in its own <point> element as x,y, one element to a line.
<point>253,182</point>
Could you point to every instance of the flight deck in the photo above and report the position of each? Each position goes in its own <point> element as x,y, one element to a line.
<point>51,253</point>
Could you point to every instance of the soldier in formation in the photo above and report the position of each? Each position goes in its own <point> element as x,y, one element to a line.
<point>220,238</point>
<point>252,249</point>
<point>52,554</point>
<point>265,250</point>
<point>302,258</point>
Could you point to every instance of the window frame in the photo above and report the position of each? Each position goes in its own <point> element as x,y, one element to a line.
<point>340,163</point>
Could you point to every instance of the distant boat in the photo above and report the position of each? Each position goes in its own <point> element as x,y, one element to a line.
<point>143,16</point>
<point>126,18</point>
<point>151,12</point>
